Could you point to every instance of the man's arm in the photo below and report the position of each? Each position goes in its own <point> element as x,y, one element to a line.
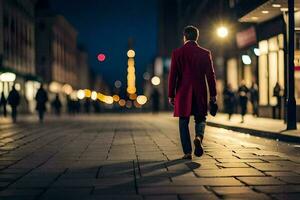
<point>211,78</point>
<point>173,75</point>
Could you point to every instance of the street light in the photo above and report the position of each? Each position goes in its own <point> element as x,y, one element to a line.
<point>222,32</point>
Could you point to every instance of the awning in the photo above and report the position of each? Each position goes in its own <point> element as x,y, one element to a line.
<point>270,10</point>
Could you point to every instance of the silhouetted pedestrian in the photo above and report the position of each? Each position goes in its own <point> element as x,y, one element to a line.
<point>14,101</point>
<point>87,105</point>
<point>155,100</point>
<point>41,100</point>
<point>254,98</point>
<point>243,97</point>
<point>277,92</point>
<point>56,104</point>
<point>229,100</point>
<point>3,103</point>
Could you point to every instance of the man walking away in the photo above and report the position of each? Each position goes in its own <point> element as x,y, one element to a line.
<point>243,95</point>
<point>191,66</point>
<point>14,101</point>
<point>3,103</point>
<point>41,100</point>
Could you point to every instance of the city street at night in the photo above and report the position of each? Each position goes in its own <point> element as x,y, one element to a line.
<point>149,99</point>
<point>136,156</point>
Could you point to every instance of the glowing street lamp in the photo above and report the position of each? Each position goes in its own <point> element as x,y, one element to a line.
<point>222,31</point>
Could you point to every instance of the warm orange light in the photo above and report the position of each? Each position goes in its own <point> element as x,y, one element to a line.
<point>122,102</point>
<point>116,98</point>
<point>132,96</point>
<point>130,53</point>
<point>142,99</point>
<point>87,93</point>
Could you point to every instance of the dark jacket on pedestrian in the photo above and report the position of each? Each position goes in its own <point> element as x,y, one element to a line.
<point>243,95</point>
<point>3,100</point>
<point>13,98</point>
<point>41,99</point>
<point>229,100</point>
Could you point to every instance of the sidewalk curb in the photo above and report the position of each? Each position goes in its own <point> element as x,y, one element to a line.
<point>259,133</point>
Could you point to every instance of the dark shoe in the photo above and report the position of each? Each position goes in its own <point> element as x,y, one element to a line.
<point>187,157</point>
<point>198,147</point>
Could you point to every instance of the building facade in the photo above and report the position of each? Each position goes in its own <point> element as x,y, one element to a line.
<point>17,48</point>
<point>56,51</point>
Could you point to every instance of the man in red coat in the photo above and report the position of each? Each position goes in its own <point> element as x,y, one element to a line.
<point>191,71</point>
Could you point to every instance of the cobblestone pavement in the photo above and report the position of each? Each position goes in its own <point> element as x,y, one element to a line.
<point>135,156</point>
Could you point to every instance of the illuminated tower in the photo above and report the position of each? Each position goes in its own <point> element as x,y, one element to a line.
<point>131,89</point>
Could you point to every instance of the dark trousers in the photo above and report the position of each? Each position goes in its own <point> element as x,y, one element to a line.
<point>41,115</point>
<point>14,113</point>
<point>185,132</point>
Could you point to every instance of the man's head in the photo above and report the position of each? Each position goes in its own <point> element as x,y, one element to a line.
<point>190,33</point>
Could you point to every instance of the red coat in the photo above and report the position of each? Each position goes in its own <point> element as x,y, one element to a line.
<point>190,65</point>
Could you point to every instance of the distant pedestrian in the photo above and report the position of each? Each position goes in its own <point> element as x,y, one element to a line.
<point>254,98</point>
<point>277,92</point>
<point>14,101</point>
<point>87,105</point>
<point>41,100</point>
<point>56,104</point>
<point>155,100</point>
<point>229,100</point>
<point>3,103</point>
<point>191,66</point>
<point>243,98</point>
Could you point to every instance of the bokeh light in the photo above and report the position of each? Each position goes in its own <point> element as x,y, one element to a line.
<point>155,80</point>
<point>101,57</point>
<point>130,53</point>
<point>142,99</point>
<point>80,94</point>
<point>94,95</point>
<point>222,32</point>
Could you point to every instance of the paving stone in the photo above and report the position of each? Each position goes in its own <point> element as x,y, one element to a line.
<point>229,172</point>
<point>278,189</point>
<point>172,190</point>
<point>198,196</point>
<point>161,197</point>
<point>233,190</point>
<point>288,196</point>
<point>250,196</point>
<point>226,181</point>
<point>290,179</point>
<point>260,181</point>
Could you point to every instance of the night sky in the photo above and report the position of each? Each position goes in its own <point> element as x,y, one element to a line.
<point>105,26</point>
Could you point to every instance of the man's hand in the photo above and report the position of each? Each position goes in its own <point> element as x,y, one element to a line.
<point>213,99</point>
<point>171,101</point>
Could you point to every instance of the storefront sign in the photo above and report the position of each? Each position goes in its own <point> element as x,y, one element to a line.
<point>246,38</point>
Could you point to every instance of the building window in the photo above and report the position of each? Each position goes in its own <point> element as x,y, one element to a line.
<point>270,68</point>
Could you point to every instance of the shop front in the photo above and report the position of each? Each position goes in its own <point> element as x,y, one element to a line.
<point>270,21</point>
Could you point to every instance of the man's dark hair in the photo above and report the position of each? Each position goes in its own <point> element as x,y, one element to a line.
<point>191,33</point>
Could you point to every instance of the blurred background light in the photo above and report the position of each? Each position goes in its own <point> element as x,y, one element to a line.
<point>141,99</point>
<point>256,51</point>
<point>87,93</point>
<point>118,84</point>
<point>101,57</point>
<point>130,53</point>
<point>222,32</point>
<point>94,95</point>
<point>7,77</point>
<point>246,59</point>
<point>67,89</point>
<point>122,102</point>
<point>155,80</point>
<point>116,98</point>
<point>80,94</point>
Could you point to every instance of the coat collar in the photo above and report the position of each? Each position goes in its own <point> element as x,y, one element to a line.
<point>191,43</point>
